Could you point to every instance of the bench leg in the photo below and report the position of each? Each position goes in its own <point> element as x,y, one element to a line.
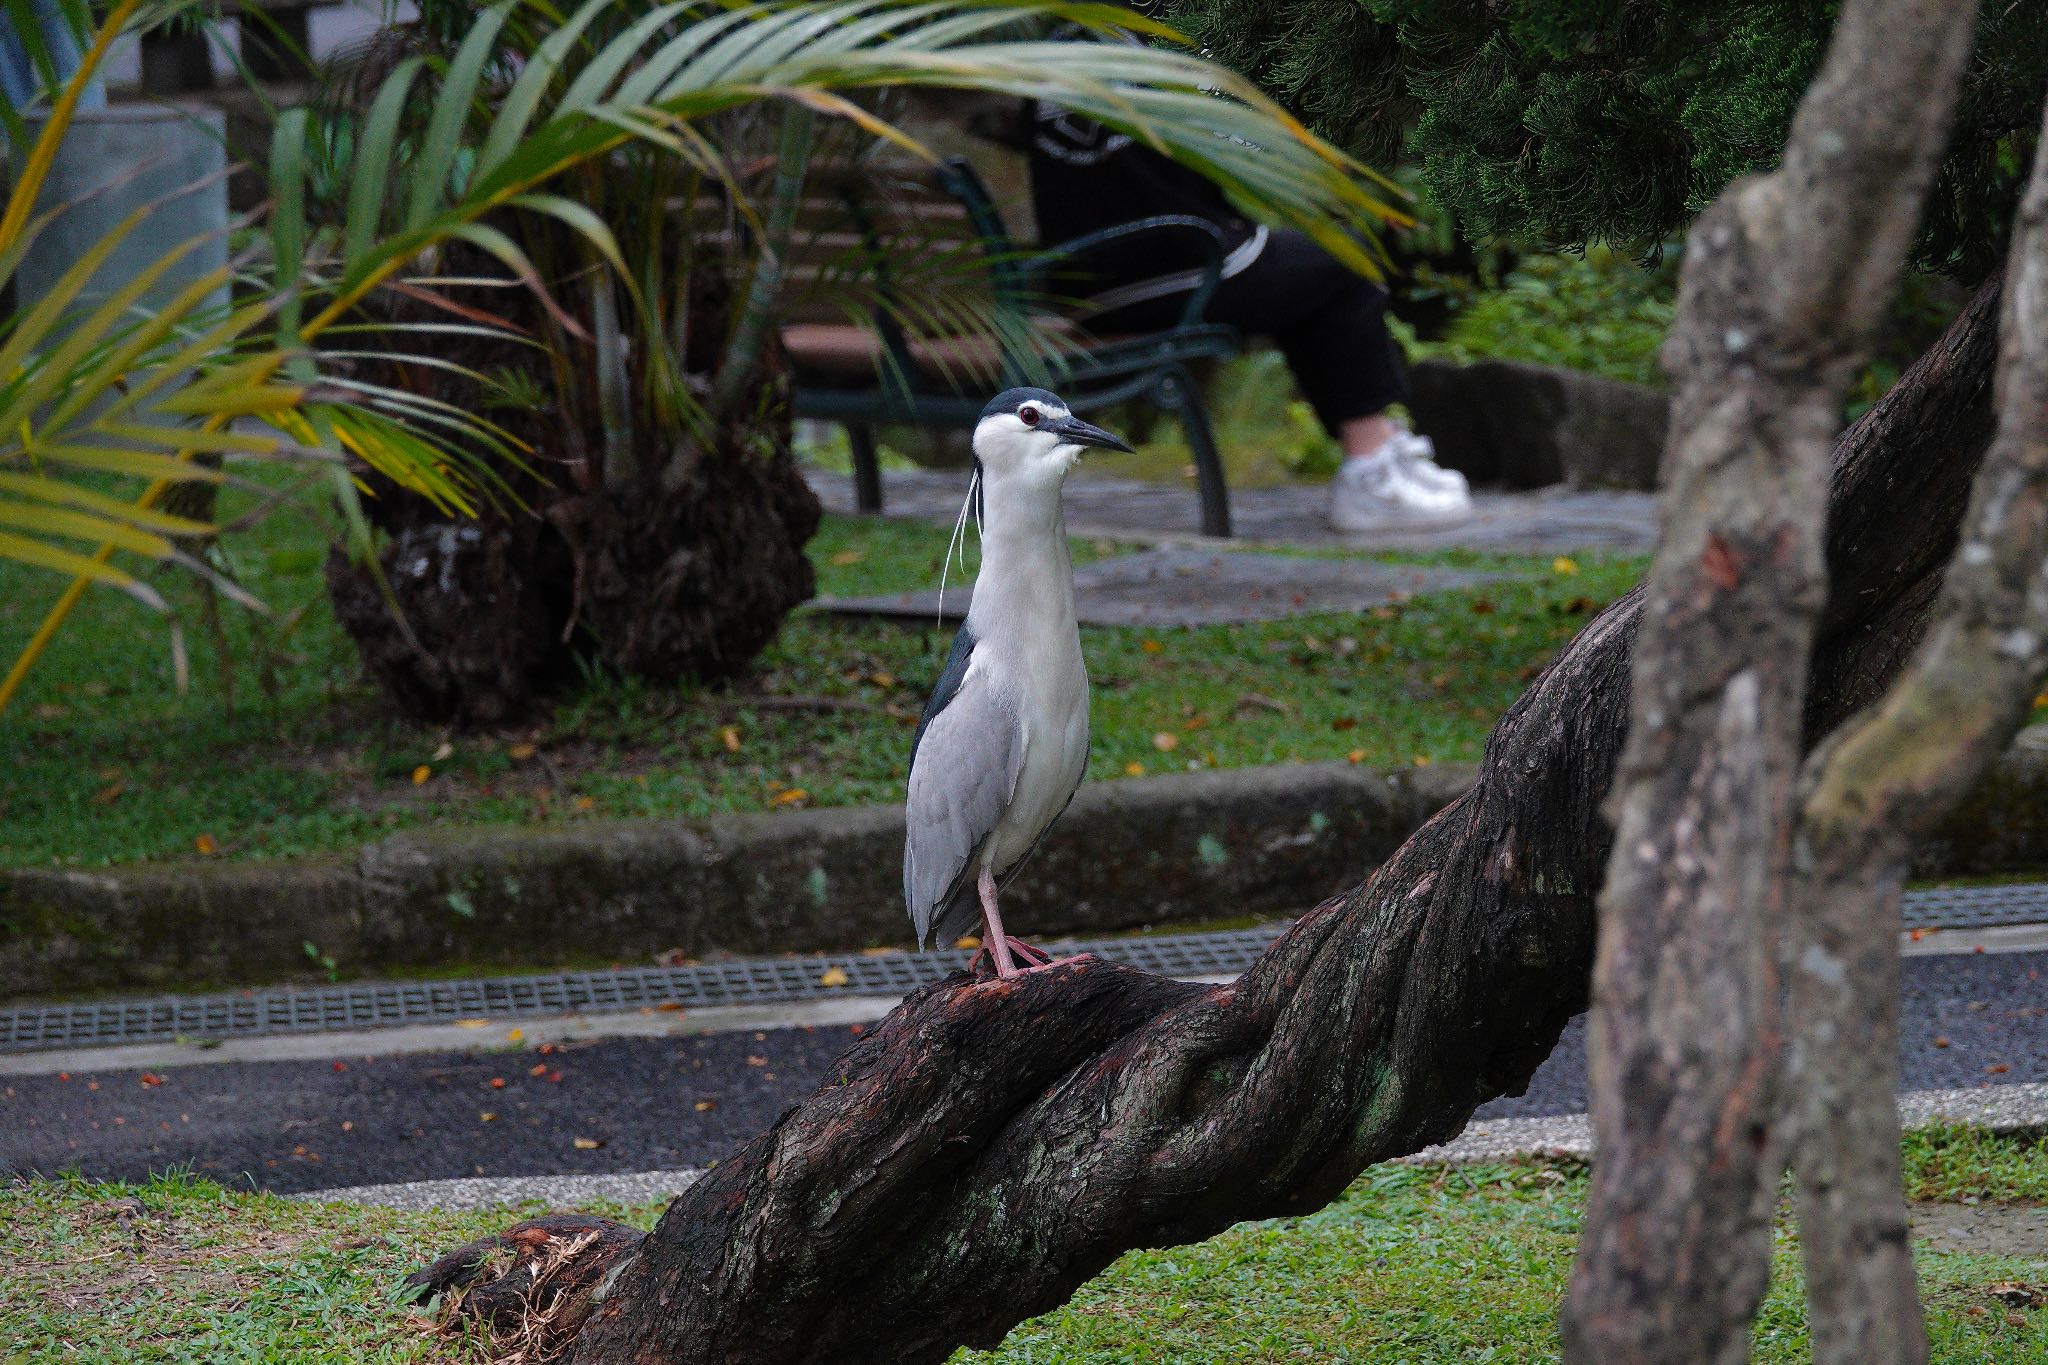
<point>867,471</point>
<point>1177,393</point>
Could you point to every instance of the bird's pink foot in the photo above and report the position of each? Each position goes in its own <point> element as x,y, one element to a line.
<point>1030,954</point>
<point>1055,962</point>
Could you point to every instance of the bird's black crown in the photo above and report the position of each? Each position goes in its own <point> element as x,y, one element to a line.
<point>1009,400</point>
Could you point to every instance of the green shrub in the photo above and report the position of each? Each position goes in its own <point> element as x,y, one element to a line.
<point>1600,312</point>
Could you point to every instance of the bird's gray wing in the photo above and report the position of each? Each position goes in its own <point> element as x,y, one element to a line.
<point>963,773</point>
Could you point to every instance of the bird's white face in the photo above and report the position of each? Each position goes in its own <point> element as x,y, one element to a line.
<point>1038,439</point>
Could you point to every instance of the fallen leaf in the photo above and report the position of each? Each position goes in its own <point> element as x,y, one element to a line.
<point>487,1117</point>
<point>421,774</point>
<point>1151,646</point>
<point>537,1069</point>
<point>472,1023</point>
<point>520,752</point>
<point>880,952</point>
<point>151,1079</point>
<point>587,1144</point>
<point>497,1082</point>
<point>1356,755</point>
<point>445,752</point>
<point>833,976</point>
<point>109,794</point>
<point>729,736</point>
<point>1422,760</point>
<point>756,1061</point>
<point>706,1106</point>
<point>1564,566</point>
<point>1165,742</point>
<point>1482,606</point>
<point>341,1066</point>
<point>514,1035</point>
<point>791,797</point>
<point>585,803</point>
<point>1134,769</point>
<point>1996,1069</point>
<point>348,1125</point>
<point>882,679</point>
<point>207,845</point>
<point>1941,1042</point>
<point>669,1007</point>
<point>967,941</point>
<point>1344,723</point>
<point>846,557</point>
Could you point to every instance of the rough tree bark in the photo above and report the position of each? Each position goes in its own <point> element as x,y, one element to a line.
<point>1869,794</point>
<point>1786,276</point>
<point>989,1148</point>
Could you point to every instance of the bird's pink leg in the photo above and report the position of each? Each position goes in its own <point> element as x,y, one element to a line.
<point>996,941</point>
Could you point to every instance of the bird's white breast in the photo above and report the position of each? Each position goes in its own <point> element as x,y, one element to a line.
<point>1052,709</point>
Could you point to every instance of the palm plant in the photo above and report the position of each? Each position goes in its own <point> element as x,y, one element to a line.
<point>657,455</point>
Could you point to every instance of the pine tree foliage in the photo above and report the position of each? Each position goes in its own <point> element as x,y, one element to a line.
<point>1578,121</point>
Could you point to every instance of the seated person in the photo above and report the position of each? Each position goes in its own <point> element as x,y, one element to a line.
<point>1329,322</point>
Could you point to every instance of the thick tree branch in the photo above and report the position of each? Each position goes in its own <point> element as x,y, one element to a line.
<point>990,1148</point>
<point>1786,276</point>
<point>1871,792</point>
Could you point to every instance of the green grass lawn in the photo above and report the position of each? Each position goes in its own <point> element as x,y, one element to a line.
<point>283,750</point>
<point>1415,1265</point>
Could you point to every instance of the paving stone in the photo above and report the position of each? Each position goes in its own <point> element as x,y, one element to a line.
<point>1178,585</point>
<point>1547,521</point>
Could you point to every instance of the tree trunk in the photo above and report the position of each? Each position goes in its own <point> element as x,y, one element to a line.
<point>1785,279</point>
<point>993,1146</point>
<point>1874,790</point>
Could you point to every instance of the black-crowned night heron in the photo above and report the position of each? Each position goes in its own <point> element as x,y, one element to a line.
<point>1004,739</point>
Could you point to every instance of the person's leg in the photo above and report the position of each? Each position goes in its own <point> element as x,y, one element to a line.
<point>1331,325</point>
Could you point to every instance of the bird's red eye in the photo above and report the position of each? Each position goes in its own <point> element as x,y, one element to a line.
<point>1028,416</point>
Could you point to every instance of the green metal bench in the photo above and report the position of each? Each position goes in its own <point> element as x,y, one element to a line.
<point>865,376</point>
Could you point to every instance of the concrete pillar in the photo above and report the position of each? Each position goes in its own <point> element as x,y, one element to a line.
<point>112,161</point>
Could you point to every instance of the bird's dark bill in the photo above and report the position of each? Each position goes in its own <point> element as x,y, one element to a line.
<point>1077,432</point>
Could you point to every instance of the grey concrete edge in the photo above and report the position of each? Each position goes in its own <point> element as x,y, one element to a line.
<point>1143,852</point>
<point>2007,1108</point>
<point>1128,854</point>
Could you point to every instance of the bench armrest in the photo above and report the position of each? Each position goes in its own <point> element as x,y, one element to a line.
<point>1205,235</point>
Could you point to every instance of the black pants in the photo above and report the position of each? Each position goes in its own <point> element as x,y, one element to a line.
<point>1329,322</point>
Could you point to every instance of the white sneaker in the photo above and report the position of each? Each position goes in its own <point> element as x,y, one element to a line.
<point>1418,456</point>
<point>1396,486</point>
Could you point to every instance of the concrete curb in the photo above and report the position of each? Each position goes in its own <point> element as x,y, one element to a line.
<point>1194,846</point>
<point>2004,1109</point>
<point>1128,854</point>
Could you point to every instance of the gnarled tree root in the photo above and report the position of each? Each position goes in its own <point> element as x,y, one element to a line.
<point>992,1146</point>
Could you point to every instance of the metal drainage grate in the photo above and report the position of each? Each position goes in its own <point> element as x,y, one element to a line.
<point>1976,907</point>
<point>746,981</point>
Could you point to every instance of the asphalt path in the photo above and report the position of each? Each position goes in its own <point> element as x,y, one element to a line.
<point>661,1103</point>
